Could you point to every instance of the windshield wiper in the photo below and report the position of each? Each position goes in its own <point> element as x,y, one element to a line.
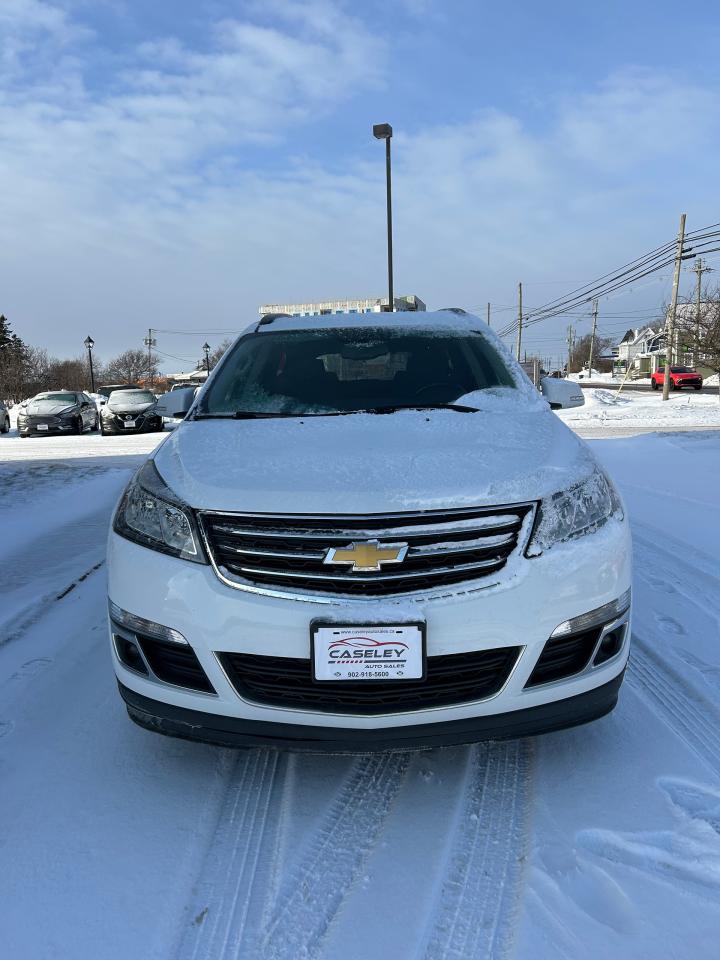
<point>392,408</point>
<point>241,415</point>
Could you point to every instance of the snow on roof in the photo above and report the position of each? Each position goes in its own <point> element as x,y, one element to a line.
<point>441,320</point>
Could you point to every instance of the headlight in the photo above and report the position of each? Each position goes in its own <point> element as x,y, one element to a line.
<point>150,514</point>
<point>572,513</point>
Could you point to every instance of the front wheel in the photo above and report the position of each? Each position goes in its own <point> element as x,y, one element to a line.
<point>654,384</point>
<point>676,385</point>
<point>6,426</point>
<point>78,426</point>
<point>698,386</point>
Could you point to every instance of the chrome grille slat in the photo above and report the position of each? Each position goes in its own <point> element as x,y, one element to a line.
<point>276,554</point>
<point>374,577</point>
<point>491,523</point>
<point>449,548</point>
<point>444,547</point>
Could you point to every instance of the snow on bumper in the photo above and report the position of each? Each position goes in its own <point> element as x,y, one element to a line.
<point>567,581</point>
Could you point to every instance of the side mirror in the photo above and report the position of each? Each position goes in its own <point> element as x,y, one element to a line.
<point>561,394</point>
<point>175,404</point>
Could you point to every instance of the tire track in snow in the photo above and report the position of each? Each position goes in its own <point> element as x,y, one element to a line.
<point>314,891</point>
<point>688,714</point>
<point>240,912</point>
<point>220,910</point>
<point>41,606</point>
<point>479,899</point>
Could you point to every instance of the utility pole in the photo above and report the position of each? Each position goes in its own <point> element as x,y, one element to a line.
<point>670,322</point>
<point>150,343</point>
<point>520,318</point>
<point>488,315</point>
<point>699,270</point>
<point>571,344</point>
<point>592,336</point>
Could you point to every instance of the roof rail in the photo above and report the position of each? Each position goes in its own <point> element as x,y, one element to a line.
<point>269,317</point>
<point>458,310</point>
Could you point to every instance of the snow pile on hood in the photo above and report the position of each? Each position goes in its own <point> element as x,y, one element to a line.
<point>370,463</point>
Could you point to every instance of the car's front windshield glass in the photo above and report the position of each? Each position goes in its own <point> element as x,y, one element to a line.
<point>58,397</point>
<point>681,370</point>
<point>345,370</point>
<point>131,396</point>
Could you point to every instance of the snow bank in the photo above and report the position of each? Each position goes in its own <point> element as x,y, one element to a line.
<point>646,410</point>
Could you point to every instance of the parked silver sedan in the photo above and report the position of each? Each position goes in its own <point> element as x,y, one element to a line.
<point>59,411</point>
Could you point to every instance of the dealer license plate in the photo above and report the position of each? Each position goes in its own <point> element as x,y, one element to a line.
<point>129,424</point>
<point>42,426</point>
<point>394,651</point>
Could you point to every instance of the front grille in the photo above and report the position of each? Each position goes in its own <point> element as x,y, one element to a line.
<point>287,682</point>
<point>175,663</point>
<point>564,657</point>
<point>444,548</point>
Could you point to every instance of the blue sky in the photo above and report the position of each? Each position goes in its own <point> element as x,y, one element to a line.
<point>174,164</point>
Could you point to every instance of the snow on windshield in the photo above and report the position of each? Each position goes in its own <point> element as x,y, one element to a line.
<point>353,369</point>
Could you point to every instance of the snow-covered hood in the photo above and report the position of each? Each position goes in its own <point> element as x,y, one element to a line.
<point>129,406</point>
<point>46,408</point>
<point>367,463</point>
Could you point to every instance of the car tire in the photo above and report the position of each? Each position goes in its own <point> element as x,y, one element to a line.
<point>697,386</point>
<point>676,385</point>
<point>79,426</point>
<point>6,426</point>
<point>654,385</point>
<point>96,426</point>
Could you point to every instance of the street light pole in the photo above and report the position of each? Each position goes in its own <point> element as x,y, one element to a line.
<point>206,348</point>
<point>383,131</point>
<point>89,344</point>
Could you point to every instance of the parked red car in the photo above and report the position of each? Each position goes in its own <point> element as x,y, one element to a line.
<point>679,377</point>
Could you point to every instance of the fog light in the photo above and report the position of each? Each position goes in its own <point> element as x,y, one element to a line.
<point>610,645</point>
<point>129,655</point>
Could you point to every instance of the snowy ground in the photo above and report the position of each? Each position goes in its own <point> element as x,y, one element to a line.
<point>607,413</point>
<point>598,842</point>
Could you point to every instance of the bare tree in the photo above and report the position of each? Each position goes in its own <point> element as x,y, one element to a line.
<point>215,356</point>
<point>130,366</point>
<point>581,354</point>
<point>698,332</point>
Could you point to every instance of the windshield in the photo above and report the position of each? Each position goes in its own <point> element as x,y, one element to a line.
<point>681,370</point>
<point>341,371</point>
<point>132,396</point>
<point>58,397</point>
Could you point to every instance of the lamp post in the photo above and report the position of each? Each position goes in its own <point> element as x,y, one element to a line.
<point>206,349</point>
<point>383,131</point>
<point>89,344</point>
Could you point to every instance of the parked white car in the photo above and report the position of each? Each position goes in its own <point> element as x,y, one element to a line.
<point>368,533</point>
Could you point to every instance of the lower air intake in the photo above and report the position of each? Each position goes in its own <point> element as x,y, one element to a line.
<point>288,682</point>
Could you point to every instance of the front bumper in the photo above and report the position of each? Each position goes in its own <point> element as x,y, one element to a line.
<point>144,425</point>
<point>523,611</point>
<point>30,426</point>
<point>237,732</point>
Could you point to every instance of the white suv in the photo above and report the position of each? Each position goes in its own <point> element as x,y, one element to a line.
<point>369,532</point>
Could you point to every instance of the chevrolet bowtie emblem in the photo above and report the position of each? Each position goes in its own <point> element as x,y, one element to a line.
<point>367,556</point>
